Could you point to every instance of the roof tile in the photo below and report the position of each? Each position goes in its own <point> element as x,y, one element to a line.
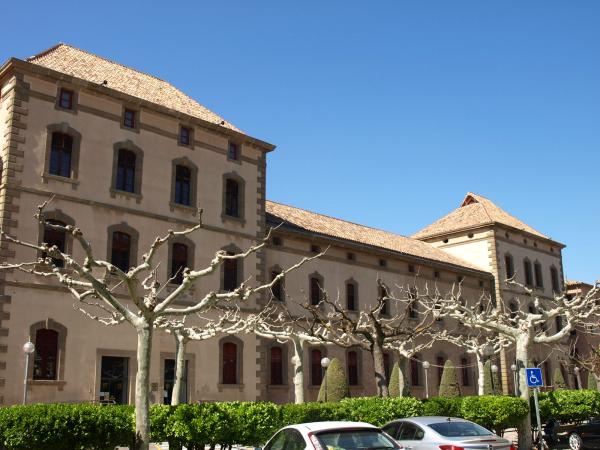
<point>95,69</point>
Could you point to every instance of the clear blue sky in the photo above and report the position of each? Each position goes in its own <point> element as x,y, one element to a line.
<point>384,113</point>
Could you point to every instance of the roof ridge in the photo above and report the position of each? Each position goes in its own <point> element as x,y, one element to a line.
<point>487,213</point>
<point>45,52</point>
<point>343,220</point>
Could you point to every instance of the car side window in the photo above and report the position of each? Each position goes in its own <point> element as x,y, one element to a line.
<point>277,442</point>
<point>419,433</point>
<point>391,429</point>
<point>407,432</point>
<point>294,440</point>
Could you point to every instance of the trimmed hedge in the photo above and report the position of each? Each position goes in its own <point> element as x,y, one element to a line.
<point>66,427</point>
<point>62,426</point>
<point>568,405</point>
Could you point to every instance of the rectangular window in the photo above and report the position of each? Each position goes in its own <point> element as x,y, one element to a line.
<point>539,281</point>
<point>466,372</point>
<point>315,249</point>
<point>61,152</point>
<point>169,381</point>
<point>185,136</point>
<point>114,380</point>
<point>233,151</point>
<point>352,361</point>
<point>57,238</point>
<point>129,118</point>
<point>121,249</point>
<point>179,262</point>
<point>316,371</point>
<point>382,263</point>
<point>277,289</point>
<point>232,198</point>
<point>65,99</point>
<point>230,274</point>
<point>183,185</point>
<point>411,268</point>
<point>315,291</point>
<point>351,296</point>
<point>385,308</point>
<point>46,354</point>
<point>528,273</point>
<point>276,366</point>
<point>126,171</point>
<point>350,256</point>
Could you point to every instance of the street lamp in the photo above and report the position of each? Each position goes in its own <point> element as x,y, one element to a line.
<point>325,364</point>
<point>28,349</point>
<point>578,377</point>
<point>513,367</point>
<point>426,366</point>
<point>494,369</point>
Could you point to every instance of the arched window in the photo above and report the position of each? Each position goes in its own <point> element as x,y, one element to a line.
<point>465,371</point>
<point>554,278</point>
<point>316,371</point>
<point>61,152</point>
<point>415,371</point>
<point>121,250</point>
<point>316,286</point>
<point>351,303</point>
<point>125,180</point>
<point>232,198</point>
<point>55,237</point>
<point>352,367</point>
<point>179,261</point>
<point>510,266</point>
<point>183,185</point>
<point>276,365</point>
<point>230,274</point>
<point>528,272</point>
<point>277,288</point>
<point>539,281</point>
<point>385,302</point>
<point>387,365</point>
<point>46,355</point>
<point>513,310</point>
<point>230,363</point>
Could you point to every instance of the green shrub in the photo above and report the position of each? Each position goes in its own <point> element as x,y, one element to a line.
<point>558,380</point>
<point>378,411</point>
<point>449,385</point>
<point>592,384</point>
<point>569,406</point>
<point>494,412</point>
<point>334,386</point>
<point>66,427</point>
<point>312,412</point>
<point>443,406</point>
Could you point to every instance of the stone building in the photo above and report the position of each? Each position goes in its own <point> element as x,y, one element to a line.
<point>127,156</point>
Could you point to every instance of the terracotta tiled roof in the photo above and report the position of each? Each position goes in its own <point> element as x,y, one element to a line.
<point>475,211</point>
<point>341,229</point>
<point>95,69</point>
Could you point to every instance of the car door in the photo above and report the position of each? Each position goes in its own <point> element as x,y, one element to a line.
<point>411,436</point>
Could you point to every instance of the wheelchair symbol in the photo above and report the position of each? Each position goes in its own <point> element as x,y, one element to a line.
<point>533,379</point>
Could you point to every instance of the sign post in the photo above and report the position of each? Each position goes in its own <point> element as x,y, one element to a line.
<point>534,381</point>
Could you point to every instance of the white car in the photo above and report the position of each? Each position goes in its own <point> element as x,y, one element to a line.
<point>331,436</point>
<point>444,433</point>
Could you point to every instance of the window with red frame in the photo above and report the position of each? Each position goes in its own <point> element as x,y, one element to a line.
<point>230,363</point>
<point>316,371</point>
<point>352,363</point>
<point>46,355</point>
<point>276,365</point>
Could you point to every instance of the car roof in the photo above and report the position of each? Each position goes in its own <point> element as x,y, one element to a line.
<point>428,420</point>
<point>322,426</point>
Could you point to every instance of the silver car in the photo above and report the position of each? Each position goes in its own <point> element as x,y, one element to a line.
<point>444,433</point>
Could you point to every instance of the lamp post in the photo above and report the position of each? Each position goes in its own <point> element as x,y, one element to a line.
<point>28,349</point>
<point>426,367</point>
<point>513,367</point>
<point>494,369</point>
<point>577,377</point>
<point>325,364</point>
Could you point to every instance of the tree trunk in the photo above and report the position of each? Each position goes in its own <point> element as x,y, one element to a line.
<point>480,374</point>
<point>142,386</point>
<point>379,367</point>
<point>298,371</point>
<point>522,356</point>
<point>180,345</point>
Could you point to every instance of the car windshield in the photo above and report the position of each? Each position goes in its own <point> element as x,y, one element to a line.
<point>355,440</point>
<point>459,429</point>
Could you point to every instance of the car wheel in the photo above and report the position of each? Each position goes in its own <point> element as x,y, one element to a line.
<point>575,441</point>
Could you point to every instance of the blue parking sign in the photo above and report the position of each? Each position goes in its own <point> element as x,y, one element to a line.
<point>534,377</point>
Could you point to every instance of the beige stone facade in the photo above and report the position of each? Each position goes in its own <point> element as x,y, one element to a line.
<point>90,357</point>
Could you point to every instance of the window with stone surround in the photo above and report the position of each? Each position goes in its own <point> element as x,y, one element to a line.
<point>539,280</point>
<point>528,272</point>
<point>276,356</point>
